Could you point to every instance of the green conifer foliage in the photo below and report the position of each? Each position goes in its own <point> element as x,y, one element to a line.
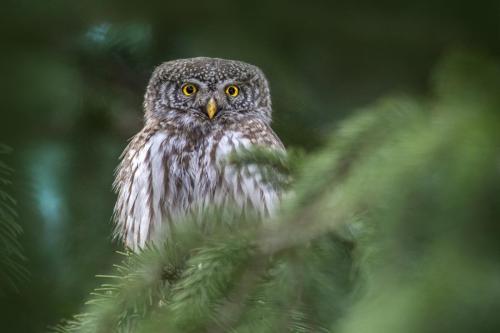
<point>11,256</point>
<point>391,227</point>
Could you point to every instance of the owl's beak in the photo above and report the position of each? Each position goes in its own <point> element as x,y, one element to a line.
<point>211,108</point>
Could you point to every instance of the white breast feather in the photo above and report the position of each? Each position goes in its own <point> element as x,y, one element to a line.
<point>151,204</point>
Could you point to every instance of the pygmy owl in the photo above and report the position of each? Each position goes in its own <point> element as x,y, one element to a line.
<point>197,112</point>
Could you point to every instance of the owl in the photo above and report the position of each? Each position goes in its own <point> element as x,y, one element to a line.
<point>198,112</point>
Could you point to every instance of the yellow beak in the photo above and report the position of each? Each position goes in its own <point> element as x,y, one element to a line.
<point>211,108</point>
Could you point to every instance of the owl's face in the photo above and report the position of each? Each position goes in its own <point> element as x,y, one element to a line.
<point>208,91</point>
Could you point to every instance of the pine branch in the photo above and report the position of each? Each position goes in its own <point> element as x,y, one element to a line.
<point>275,167</point>
<point>403,192</point>
<point>12,258</point>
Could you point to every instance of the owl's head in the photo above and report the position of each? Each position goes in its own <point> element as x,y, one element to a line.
<point>207,91</point>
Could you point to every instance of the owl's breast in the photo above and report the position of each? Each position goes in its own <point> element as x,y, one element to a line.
<point>198,175</point>
<point>222,184</point>
<point>170,175</point>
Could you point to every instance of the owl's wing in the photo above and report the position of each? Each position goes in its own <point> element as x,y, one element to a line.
<point>137,208</point>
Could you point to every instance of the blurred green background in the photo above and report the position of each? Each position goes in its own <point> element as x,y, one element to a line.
<point>74,74</point>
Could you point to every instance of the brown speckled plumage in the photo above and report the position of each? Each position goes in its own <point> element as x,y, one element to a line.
<point>175,165</point>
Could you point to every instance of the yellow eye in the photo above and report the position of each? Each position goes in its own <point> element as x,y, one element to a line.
<point>189,89</point>
<point>232,90</point>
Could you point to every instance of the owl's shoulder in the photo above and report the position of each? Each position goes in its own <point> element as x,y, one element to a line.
<point>149,131</point>
<point>258,133</point>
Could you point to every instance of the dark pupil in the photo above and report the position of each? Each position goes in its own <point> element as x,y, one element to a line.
<point>231,90</point>
<point>189,89</point>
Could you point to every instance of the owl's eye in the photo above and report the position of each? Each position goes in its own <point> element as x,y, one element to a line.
<point>189,89</point>
<point>232,90</point>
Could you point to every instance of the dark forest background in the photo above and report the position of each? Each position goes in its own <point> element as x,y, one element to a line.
<point>73,76</point>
